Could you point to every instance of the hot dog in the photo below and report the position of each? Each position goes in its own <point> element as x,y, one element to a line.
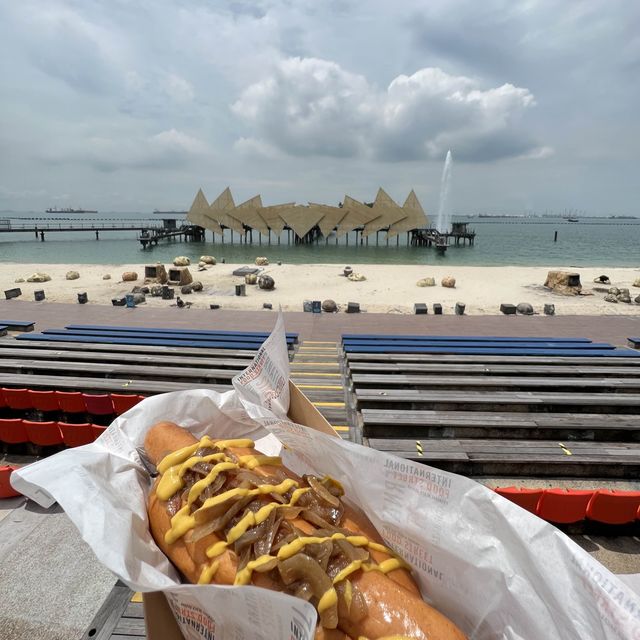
<point>225,514</point>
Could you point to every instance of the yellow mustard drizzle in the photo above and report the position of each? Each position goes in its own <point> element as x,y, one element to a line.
<point>175,465</point>
<point>208,572</point>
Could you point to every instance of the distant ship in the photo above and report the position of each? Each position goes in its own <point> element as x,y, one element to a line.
<point>69,210</point>
<point>572,220</point>
<point>165,213</point>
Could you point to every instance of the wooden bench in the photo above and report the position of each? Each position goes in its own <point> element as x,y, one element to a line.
<point>98,347</point>
<point>102,385</point>
<point>235,343</point>
<point>383,423</point>
<point>3,330</point>
<point>511,359</point>
<point>498,401</point>
<point>592,352</point>
<point>18,325</point>
<point>235,364</point>
<point>203,332</point>
<point>406,368</point>
<point>39,337</point>
<point>477,344</point>
<point>522,457</point>
<point>634,342</point>
<point>487,382</point>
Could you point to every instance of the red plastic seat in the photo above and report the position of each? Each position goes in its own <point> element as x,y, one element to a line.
<point>563,506</point>
<point>6,490</point>
<point>99,404</point>
<point>44,401</point>
<point>12,431</point>
<point>3,402</point>
<point>44,434</point>
<point>124,402</point>
<point>17,399</point>
<point>98,430</point>
<point>526,498</point>
<point>614,507</point>
<point>75,435</point>
<point>70,401</point>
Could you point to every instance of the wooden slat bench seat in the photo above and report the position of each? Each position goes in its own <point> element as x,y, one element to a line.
<point>394,345</point>
<point>594,352</point>
<point>18,325</point>
<point>363,381</point>
<point>111,370</point>
<point>424,358</point>
<point>382,423</point>
<point>115,385</point>
<point>99,347</point>
<point>498,401</point>
<point>155,360</point>
<point>169,336</point>
<point>513,458</point>
<point>634,342</point>
<point>204,332</point>
<point>134,341</point>
<point>392,368</point>
<point>3,330</point>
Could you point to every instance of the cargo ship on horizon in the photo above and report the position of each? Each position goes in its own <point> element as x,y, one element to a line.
<point>69,210</point>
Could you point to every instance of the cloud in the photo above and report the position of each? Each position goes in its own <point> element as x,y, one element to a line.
<point>170,149</point>
<point>309,106</point>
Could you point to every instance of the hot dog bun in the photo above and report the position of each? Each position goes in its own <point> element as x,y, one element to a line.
<point>360,588</point>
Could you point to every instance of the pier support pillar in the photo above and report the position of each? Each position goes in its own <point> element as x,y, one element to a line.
<point>42,236</point>
<point>97,235</point>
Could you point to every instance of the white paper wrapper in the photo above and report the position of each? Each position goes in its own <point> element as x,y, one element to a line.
<point>495,569</point>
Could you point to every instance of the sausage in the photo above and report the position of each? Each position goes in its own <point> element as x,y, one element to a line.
<point>389,599</point>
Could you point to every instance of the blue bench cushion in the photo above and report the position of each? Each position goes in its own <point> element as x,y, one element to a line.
<point>385,337</point>
<point>479,344</point>
<point>496,351</point>
<point>214,332</point>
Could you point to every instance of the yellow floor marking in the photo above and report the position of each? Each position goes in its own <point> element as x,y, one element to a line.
<point>136,597</point>
<point>320,364</point>
<point>320,386</point>
<point>295,374</point>
<point>341,428</point>
<point>328,404</point>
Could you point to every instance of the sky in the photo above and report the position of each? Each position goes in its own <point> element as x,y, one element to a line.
<point>131,106</point>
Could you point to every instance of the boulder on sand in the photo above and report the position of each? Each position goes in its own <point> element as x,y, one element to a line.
<point>449,282</point>
<point>39,277</point>
<point>329,306</point>
<point>564,282</point>
<point>129,276</point>
<point>524,309</point>
<point>356,277</point>
<point>266,282</point>
<point>610,298</point>
<point>208,259</point>
<point>196,285</point>
<point>426,282</point>
<point>181,261</point>
<point>251,278</point>
<point>106,276</point>
<point>262,261</point>
<point>72,275</point>
<point>636,283</point>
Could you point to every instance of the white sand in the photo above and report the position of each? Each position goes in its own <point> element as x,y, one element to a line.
<point>388,288</point>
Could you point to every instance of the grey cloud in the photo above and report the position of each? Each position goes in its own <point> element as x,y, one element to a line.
<point>314,107</point>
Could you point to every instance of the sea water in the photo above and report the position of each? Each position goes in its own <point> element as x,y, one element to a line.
<point>499,241</point>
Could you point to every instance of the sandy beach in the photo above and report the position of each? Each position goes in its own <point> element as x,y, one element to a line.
<point>387,288</point>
